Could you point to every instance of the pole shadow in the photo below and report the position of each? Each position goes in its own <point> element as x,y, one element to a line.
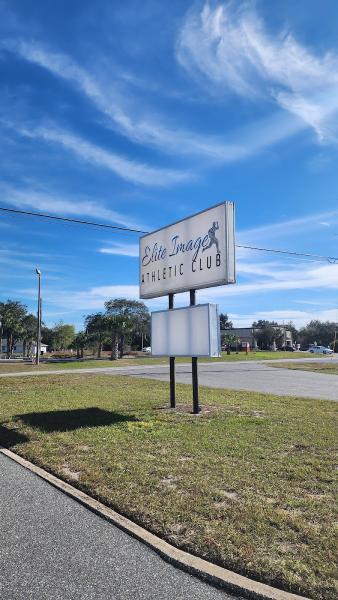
<point>69,420</point>
<point>11,437</point>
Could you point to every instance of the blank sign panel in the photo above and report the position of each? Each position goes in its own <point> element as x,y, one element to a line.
<point>190,331</point>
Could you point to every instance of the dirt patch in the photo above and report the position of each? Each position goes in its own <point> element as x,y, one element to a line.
<point>84,448</point>
<point>74,475</point>
<point>187,409</point>
<point>228,495</point>
<point>169,481</point>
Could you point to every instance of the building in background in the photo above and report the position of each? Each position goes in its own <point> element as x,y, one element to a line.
<point>19,348</point>
<point>250,336</point>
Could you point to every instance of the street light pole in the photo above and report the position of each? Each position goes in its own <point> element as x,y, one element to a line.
<point>38,341</point>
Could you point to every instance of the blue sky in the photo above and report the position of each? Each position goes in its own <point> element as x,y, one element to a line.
<point>138,114</point>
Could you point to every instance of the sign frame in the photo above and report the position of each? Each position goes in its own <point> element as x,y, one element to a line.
<point>230,251</point>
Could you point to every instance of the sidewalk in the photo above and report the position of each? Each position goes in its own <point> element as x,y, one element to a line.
<point>52,548</point>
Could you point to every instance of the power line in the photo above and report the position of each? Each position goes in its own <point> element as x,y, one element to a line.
<point>330,259</point>
<point>68,220</point>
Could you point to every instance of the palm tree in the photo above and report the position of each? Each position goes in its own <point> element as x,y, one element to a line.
<point>96,328</point>
<point>124,316</point>
<point>79,343</point>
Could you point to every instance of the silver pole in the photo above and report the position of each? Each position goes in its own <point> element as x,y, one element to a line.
<point>38,341</point>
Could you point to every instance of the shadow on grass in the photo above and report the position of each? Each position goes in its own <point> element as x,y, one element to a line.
<point>68,420</point>
<point>11,437</point>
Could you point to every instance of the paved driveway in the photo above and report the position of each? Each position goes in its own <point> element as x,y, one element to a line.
<point>52,548</point>
<point>256,376</point>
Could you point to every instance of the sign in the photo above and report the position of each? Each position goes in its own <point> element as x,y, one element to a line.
<point>189,331</point>
<point>194,253</point>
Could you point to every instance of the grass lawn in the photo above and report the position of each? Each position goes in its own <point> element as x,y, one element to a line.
<point>330,368</point>
<point>147,360</point>
<point>247,485</point>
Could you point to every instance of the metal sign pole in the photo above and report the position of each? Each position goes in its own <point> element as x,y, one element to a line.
<point>172,365</point>
<point>194,367</point>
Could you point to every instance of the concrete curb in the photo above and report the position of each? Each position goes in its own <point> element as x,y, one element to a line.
<point>232,582</point>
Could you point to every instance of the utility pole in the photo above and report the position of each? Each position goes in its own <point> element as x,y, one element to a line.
<point>38,341</point>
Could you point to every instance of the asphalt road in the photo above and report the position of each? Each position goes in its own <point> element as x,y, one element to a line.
<point>52,548</point>
<point>256,376</point>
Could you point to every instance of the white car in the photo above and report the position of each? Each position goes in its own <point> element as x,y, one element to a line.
<point>147,349</point>
<point>320,350</point>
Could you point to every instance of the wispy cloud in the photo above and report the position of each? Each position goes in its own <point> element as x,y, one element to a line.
<point>120,249</point>
<point>46,201</point>
<point>306,277</point>
<point>132,119</point>
<point>268,282</point>
<point>129,170</point>
<point>229,46</point>
<point>289,227</point>
<point>129,119</point>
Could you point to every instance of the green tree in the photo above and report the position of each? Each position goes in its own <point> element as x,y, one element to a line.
<point>47,335</point>
<point>267,332</point>
<point>63,336</point>
<point>79,343</point>
<point>12,314</point>
<point>224,321</point>
<point>123,317</point>
<point>29,333</point>
<point>96,327</point>
<point>230,340</point>
<point>140,337</point>
<point>321,332</point>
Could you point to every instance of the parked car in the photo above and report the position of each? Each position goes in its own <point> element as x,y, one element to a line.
<point>147,349</point>
<point>320,350</point>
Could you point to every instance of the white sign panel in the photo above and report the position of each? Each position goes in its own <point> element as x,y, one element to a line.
<point>190,331</point>
<point>194,253</point>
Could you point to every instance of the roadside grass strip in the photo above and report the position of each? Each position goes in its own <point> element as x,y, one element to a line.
<point>17,367</point>
<point>316,367</point>
<point>248,484</point>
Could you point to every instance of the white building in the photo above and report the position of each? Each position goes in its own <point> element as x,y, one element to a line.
<point>18,348</point>
<point>248,335</point>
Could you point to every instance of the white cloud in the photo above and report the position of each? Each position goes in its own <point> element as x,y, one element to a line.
<point>228,46</point>
<point>120,249</point>
<point>95,155</point>
<point>49,202</point>
<point>93,298</point>
<point>125,116</point>
<point>129,117</point>
<point>306,277</point>
<point>290,227</point>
